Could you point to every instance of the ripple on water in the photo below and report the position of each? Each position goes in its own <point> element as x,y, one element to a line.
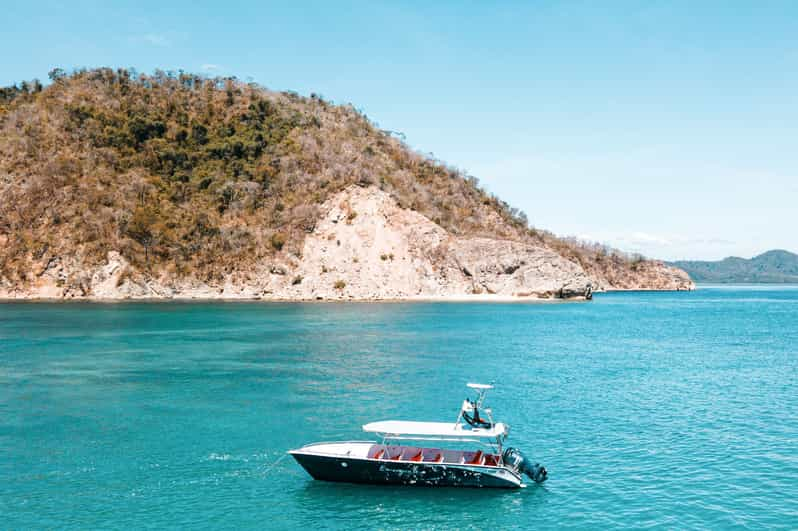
<point>649,410</point>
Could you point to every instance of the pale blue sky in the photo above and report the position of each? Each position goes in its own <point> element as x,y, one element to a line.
<point>662,127</point>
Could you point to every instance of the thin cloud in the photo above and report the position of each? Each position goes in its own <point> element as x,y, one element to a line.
<point>664,246</point>
<point>156,39</point>
<point>646,238</point>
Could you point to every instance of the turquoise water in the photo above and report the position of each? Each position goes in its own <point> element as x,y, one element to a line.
<point>676,410</point>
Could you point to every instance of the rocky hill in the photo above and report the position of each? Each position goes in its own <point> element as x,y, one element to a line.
<point>115,185</point>
<point>776,266</point>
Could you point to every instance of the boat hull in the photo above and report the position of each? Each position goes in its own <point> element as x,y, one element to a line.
<point>385,472</point>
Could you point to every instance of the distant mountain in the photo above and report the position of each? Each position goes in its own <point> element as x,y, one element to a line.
<point>777,266</point>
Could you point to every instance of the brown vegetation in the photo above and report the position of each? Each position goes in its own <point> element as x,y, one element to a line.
<point>205,177</point>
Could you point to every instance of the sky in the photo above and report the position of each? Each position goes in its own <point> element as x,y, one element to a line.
<point>664,128</point>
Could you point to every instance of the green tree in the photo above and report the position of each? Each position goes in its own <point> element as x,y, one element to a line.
<point>142,228</point>
<point>56,74</point>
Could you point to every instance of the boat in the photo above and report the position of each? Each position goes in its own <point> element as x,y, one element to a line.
<point>394,461</point>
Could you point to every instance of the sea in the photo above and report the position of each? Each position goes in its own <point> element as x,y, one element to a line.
<point>649,410</point>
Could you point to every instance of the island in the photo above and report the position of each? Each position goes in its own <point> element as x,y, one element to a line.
<point>121,185</point>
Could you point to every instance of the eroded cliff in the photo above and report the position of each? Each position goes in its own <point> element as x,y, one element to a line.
<point>364,247</point>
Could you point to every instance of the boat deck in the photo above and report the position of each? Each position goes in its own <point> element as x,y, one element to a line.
<point>431,455</point>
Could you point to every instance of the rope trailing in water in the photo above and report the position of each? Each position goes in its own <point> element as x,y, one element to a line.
<point>269,469</point>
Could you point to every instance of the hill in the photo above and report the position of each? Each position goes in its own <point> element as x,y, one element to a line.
<point>776,266</point>
<point>118,184</point>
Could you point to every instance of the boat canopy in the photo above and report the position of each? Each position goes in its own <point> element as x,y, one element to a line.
<point>434,429</point>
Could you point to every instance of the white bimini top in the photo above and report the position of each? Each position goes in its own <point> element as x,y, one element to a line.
<point>433,429</point>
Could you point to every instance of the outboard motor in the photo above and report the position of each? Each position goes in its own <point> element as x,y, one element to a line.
<point>515,459</point>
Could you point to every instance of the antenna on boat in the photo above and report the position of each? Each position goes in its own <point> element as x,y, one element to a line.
<point>475,406</point>
<point>482,389</point>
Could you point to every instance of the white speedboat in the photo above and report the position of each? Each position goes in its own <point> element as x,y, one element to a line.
<point>391,461</point>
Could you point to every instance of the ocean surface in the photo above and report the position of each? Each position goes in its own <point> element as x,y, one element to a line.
<point>669,410</point>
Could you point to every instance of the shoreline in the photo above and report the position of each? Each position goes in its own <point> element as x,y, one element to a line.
<point>481,298</point>
<point>461,298</point>
<point>645,290</point>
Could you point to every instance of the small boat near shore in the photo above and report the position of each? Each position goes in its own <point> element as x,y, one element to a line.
<point>392,462</point>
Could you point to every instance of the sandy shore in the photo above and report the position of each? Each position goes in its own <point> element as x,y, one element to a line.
<point>486,298</point>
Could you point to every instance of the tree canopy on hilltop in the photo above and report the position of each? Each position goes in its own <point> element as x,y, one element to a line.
<point>196,174</point>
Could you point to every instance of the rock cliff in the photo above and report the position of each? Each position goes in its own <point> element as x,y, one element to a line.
<point>364,247</point>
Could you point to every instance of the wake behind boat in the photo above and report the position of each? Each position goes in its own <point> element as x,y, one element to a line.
<point>393,463</point>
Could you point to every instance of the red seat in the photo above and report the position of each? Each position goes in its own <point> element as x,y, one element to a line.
<point>418,457</point>
<point>477,460</point>
<point>379,454</point>
<point>490,460</point>
<point>396,457</point>
<point>438,458</point>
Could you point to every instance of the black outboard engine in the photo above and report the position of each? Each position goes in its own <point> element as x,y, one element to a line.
<point>514,459</point>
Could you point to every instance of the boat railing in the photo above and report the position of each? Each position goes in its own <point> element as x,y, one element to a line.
<point>387,438</point>
<point>393,437</point>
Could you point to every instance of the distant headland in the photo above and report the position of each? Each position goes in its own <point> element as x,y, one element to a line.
<point>116,185</point>
<point>776,267</point>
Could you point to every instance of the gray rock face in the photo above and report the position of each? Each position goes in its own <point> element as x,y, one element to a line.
<point>511,268</point>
